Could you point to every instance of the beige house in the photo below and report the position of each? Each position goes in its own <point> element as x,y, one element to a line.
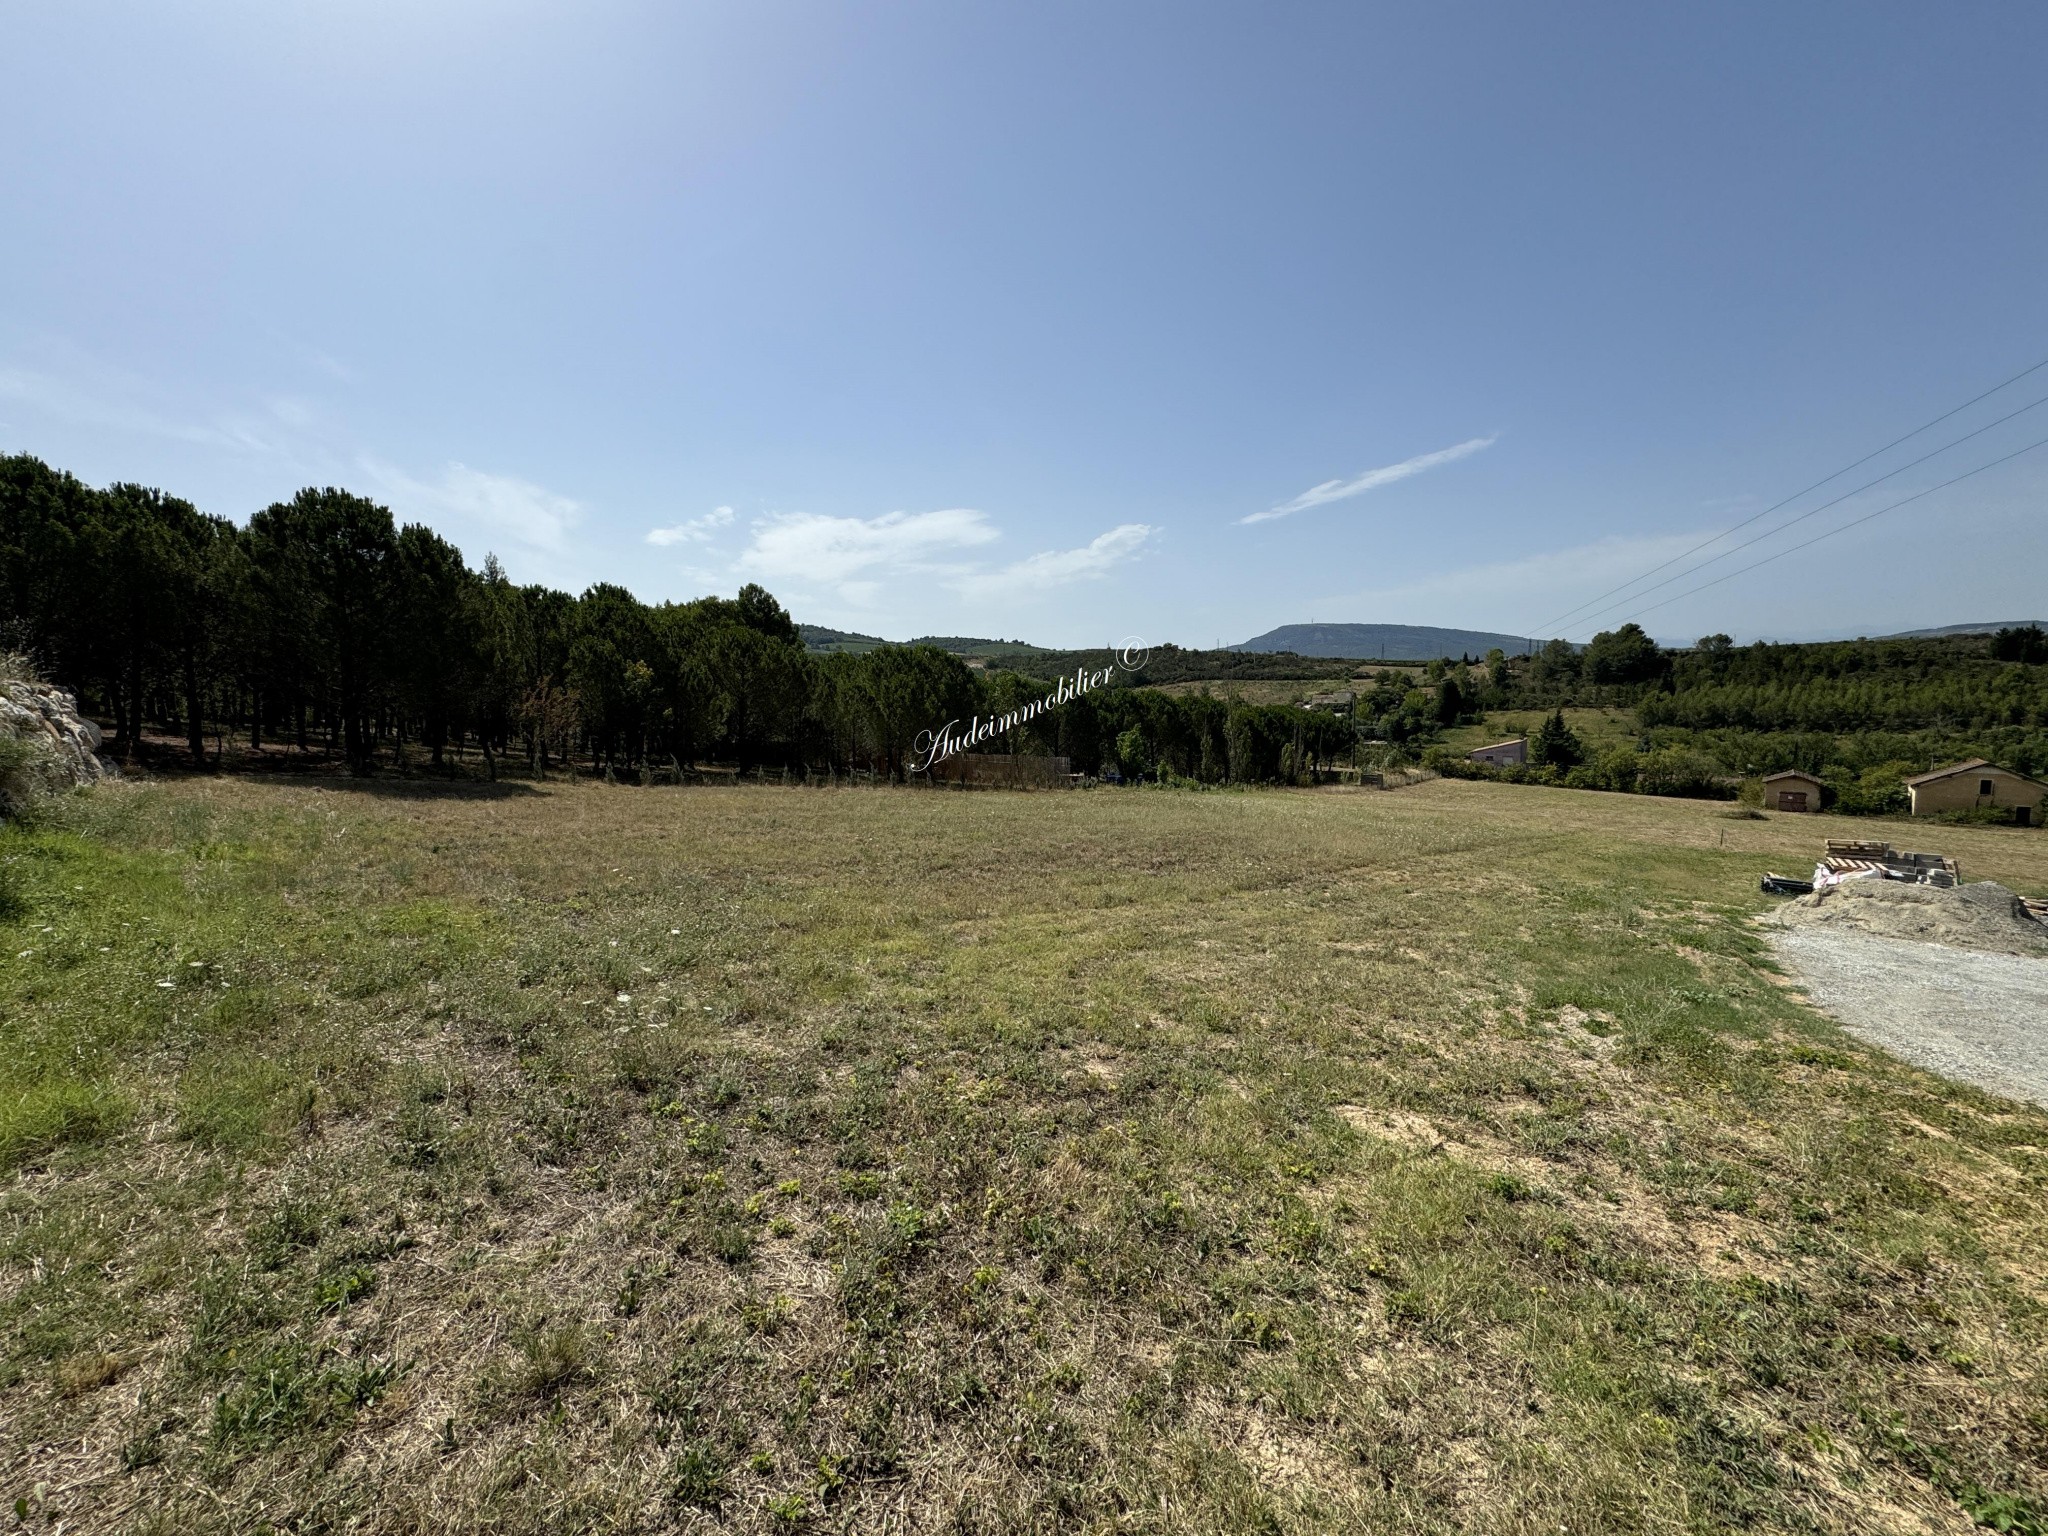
<point>1791,791</point>
<point>1502,754</point>
<point>1974,784</point>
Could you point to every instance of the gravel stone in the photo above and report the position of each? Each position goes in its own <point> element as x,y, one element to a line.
<point>1970,1015</point>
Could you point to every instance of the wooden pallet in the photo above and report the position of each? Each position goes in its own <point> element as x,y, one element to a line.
<point>1859,853</point>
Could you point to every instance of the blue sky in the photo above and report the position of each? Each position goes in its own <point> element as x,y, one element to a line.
<point>1057,321</point>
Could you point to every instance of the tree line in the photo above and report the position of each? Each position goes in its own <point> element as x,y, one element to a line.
<point>1908,683</point>
<point>326,627</point>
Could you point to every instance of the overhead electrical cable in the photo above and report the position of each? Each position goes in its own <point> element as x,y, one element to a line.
<point>1767,511</point>
<point>1844,528</point>
<point>1772,533</point>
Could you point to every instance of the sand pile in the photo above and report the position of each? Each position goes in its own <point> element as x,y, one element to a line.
<point>1981,916</point>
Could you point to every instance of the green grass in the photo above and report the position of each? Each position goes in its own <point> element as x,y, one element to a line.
<point>603,1159</point>
<point>1284,690</point>
<point>1601,730</point>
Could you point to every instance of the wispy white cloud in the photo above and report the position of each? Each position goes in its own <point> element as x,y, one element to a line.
<point>1058,567</point>
<point>698,530</point>
<point>863,561</point>
<point>498,507</point>
<point>104,399</point>
<point>1371,480</point>
<point>811,547</point>
<point>298,438</point>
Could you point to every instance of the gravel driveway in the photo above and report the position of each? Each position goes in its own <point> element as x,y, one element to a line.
<point>1979,1018</point>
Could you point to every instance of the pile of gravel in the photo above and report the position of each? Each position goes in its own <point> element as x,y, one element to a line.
<point>1978,1018</point>
<point>1984,915</point>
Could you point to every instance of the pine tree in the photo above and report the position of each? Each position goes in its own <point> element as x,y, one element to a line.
<point>1556,744</point>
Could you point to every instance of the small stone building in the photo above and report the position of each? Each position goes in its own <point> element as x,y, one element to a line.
<point>1791,790</point>
<point>1502,754</point>
<point>1974,785</point>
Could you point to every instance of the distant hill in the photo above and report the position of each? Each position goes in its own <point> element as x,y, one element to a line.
<point>1384,642</point>
<point>820,640</point>
<point>1965,629</point>
<point>964,645</point>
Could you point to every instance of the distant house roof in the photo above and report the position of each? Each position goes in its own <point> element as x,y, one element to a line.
<point>1512,741</point>
<point>1973,765</point>
<point>1795,773</point>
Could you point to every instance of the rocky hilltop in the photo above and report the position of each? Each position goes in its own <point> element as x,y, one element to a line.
<point>53,747</point>
<point>1385,642</point>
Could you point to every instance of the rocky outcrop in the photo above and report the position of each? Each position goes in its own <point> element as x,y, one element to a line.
<point>55,747</point>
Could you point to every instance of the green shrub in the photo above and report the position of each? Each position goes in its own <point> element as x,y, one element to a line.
<point>1675,771</point>
<point>1453,764</point>
<point>1618,769</point>
<point>1876,791</point>
<point>1979,816</point>
<point>1133,754</point>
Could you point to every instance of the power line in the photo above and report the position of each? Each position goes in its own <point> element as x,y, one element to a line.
<point>1855,522</point>
<point>1771,533</point>
<point>1767,511</point>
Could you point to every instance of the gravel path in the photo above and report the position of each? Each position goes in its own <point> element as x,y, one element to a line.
<point>1980,1018</point>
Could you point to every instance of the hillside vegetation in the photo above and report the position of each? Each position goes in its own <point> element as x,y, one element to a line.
<point>1861,714</point>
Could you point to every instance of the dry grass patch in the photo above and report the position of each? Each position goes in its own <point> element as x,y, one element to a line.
<point>595,1158</point>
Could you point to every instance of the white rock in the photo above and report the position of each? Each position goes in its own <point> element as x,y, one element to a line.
<point>66,744</point>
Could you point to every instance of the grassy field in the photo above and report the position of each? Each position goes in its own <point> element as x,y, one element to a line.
<point>1257,690</point>
<point>1268,690</point>
<point>583,1158</point>
<point>1601,730</point>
